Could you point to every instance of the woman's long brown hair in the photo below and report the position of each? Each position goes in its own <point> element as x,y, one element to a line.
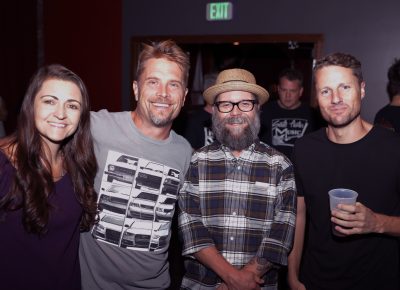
<point>33,182</point>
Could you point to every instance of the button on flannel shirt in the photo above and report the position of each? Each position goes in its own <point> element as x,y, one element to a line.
<point>244,206</point>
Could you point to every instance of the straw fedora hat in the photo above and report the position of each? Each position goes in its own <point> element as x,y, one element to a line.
<point>235,80</point>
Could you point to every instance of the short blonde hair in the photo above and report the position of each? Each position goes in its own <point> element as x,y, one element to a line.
<point>165,49</point>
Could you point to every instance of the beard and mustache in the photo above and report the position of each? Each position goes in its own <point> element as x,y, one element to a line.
<point>161,120</point>
<point>236,139</point>
<point>344,123</point>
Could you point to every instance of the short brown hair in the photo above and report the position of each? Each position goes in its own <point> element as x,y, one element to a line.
<point>164,49</point>
<point>292,75</point>
<point>343,60</point>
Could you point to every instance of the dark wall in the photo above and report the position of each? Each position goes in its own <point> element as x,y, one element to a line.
<point>86,37</point>
<point>367,29</point>
<point>93,38</point>
<point>18,53</point>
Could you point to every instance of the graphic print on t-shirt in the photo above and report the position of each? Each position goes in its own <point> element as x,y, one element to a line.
<point>208,136</point>
<point>136,203</point>
<point>285,131</point>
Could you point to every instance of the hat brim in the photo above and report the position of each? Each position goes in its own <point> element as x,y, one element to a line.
<point>210,94</point>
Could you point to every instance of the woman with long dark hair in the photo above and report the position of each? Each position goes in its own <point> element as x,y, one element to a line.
<point>47,170</point>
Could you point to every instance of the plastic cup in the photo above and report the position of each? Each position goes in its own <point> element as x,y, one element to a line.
<point>342,196</point>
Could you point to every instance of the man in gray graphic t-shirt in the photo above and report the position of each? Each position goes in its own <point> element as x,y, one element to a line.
<point>142,164</point>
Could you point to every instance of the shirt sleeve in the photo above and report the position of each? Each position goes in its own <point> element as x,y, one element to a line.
<point>277,242</point>
<point>194,234</point>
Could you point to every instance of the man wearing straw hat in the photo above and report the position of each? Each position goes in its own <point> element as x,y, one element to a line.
<point>237,205</point>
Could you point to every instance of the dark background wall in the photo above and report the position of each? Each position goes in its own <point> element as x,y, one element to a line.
<point>367,29</point>
<point>85,36</point>
<point>93,38</point>
<point>18,53</point>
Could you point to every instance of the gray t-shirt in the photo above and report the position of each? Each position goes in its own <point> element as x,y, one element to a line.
<point>138,181</point>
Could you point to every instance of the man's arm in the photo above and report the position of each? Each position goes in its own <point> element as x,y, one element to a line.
<point>277,242</point>
<point>295,254</point>
<point>359,219</point>
<point>232,277</point>
<point>259,266</point>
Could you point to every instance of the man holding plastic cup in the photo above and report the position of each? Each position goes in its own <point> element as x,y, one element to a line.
<point>350,153</point>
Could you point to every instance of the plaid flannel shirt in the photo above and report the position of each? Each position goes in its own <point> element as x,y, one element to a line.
<point>244,206</point>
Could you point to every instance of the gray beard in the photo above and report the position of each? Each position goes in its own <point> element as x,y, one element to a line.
<point>161,122</point>
<point>236,142</point>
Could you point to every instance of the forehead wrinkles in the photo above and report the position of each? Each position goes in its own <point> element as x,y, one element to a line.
<point>161,68</point>
<point>333,76</point>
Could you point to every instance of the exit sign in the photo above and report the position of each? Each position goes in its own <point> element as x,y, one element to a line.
<point>219,11</point>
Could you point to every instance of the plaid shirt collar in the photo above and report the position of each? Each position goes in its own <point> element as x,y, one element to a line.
<point>244,154</point>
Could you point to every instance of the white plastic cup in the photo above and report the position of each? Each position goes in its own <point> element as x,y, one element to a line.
<point>342,196</point>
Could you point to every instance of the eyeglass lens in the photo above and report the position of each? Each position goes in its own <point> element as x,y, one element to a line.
<point>244,106</point>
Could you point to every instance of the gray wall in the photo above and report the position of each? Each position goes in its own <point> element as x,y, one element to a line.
<point>370,30</point>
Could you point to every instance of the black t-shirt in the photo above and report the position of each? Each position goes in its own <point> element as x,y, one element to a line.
<point>198,129</point>
<point>280,128</point>
<point>370,166</point>
<point>389,117</point>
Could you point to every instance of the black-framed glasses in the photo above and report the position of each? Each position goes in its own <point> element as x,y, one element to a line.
<point>244,105</point>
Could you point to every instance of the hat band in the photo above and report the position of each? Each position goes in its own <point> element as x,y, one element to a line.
<point>236,81</point>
